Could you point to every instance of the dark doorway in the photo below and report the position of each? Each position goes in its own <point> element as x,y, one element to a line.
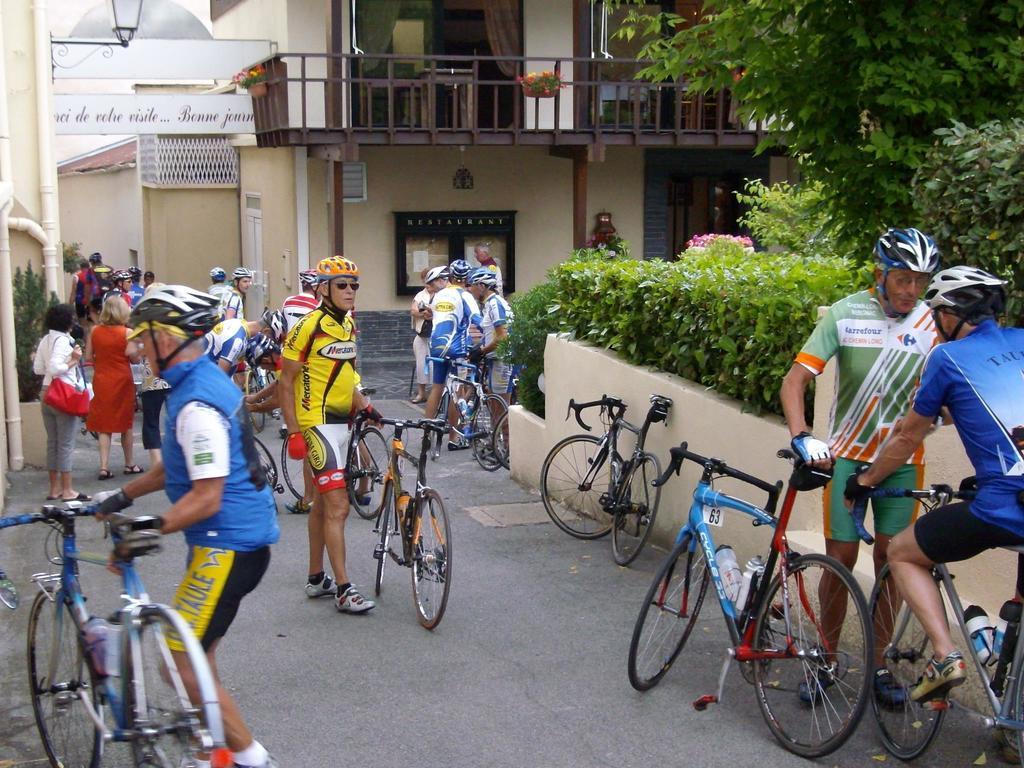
<point>700,205</point>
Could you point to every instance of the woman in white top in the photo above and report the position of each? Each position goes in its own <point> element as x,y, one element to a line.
<point>56,357</point>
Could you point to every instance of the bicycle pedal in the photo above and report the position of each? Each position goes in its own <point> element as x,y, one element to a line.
<point>702,703</point>
<point>378,552</point>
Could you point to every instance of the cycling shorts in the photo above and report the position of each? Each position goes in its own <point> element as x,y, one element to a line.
<point>327,453</point>
<point>499,377</point>
<point>890,515</point>
<point>953,533</point>
<point>439,370</point>
<point>215,582</point>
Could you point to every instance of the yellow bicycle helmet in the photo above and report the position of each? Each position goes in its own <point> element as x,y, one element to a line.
<point>334,267</point>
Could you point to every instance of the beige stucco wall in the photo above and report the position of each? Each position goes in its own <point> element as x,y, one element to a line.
<point>716,426</point>
<point>527,180</point>
<point>113,228</point>
<point>547,31</point>
<point>188,231</point>
<point>319,210</point>
<point>271,174</point>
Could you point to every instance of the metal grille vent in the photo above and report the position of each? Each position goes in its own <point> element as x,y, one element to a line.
<point>187,161</point>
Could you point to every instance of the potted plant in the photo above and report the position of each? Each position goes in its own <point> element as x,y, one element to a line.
<point>541,85</point>
<point>253,80</point>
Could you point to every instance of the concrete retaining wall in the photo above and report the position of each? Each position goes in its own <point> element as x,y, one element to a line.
<point>717,426</point>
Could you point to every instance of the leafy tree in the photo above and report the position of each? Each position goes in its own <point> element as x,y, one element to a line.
<point>789,218</point>
<point>969,192</point>
<point>855,90</point>
<point>72,253</point>
<point>30,305</point>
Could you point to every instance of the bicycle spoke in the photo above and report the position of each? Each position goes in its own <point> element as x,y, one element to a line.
<point>431,566</point>
<point>572,487</point>
<point>813,697</point>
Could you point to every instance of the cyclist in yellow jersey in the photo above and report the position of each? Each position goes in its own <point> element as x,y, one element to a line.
<point>319,367</point>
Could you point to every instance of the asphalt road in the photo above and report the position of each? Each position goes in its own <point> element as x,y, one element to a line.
<point>528,667</point>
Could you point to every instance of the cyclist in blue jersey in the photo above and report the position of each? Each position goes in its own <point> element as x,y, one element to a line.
<point>212,475</point>
<point>135,290</point>
<point>977,375</point>
<point>456,330</point>
<point>496,324</point>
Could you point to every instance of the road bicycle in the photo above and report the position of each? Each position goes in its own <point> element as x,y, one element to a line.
<point>419,521</point>
<point>131,672</point>
<point>268,464</point>
<point>256,380</point>
<point>366,459</point>
<point>908,727</point>
<point>590,489</point>
<point>475,411</point>
<point>801,635</point>
<point>500,437</point>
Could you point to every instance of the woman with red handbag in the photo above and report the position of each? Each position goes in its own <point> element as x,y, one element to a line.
<point>56,360</point>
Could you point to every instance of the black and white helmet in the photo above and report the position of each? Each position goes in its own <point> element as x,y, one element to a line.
<point>179,306</point>
<point>971,293</point>
<point>276,323</point>
<point>907,249</point>
<point>241,272</point>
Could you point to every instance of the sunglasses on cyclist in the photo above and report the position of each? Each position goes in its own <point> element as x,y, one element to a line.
<point>343,286</point>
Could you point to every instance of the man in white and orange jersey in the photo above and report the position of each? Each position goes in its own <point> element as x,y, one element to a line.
<point>880,338</point>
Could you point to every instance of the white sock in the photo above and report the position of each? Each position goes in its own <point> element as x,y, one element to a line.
<point>255,755</point>
<point>202,763</point>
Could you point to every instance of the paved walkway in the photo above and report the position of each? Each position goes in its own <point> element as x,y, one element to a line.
<point>528,667</point>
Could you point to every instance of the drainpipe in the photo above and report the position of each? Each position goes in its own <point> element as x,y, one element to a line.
<point>8,359</point>
<point>52,266</point>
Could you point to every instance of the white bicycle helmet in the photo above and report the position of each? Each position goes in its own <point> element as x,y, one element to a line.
<point>971,293</point>
<point>241,272</point>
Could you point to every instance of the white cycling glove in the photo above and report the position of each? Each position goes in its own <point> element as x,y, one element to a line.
<point>809,448</point>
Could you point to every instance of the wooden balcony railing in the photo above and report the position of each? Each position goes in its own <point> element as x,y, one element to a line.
<point>394,99</point>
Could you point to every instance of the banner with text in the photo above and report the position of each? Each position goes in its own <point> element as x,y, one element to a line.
<point>181,113</point>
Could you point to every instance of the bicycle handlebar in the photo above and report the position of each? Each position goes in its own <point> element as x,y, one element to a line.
<point>937,492</point>
<point>606,401</point>
<point>429,425</point>
<point>716,466</point>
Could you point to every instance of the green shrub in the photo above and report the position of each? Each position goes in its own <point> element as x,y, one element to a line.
<point>30,307</point>
<point>789,218</point>
<point>970,193</point>
<point>721,318</point>
<point>534,320</point>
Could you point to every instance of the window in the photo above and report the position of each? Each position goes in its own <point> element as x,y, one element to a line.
<point>425,239</point>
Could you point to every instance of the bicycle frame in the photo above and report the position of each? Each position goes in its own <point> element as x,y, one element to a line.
<point>393,476</point>
<point>64,588</point>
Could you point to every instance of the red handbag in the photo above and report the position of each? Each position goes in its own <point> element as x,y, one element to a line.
<point>65,398</point>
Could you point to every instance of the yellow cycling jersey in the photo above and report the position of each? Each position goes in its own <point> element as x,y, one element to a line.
<point>327,350</point>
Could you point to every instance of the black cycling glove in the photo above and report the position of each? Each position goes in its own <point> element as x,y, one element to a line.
<point>854,491</point>
<point>112,504</point>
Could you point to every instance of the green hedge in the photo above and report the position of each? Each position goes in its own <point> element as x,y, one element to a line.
<point>722,318</point>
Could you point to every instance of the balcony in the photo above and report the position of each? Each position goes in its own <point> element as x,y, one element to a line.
<point>376,99</point>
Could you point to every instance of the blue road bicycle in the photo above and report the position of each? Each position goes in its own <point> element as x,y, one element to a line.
<point>132,673</point>
<point>801,635</point>
<point>470,410</point>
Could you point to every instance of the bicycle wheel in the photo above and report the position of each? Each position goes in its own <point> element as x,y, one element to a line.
<point>291,472</point>
<point>268,464</point>
<point>387,524</point>
<point>903,648</point>
<point>576,509</point>
<point>814,695</point>
<point>491,409</point>
<point>432,559</point>
<point>58,672</point>
<point>253,384</point>
<point>440,413</point>
<point>669,614</point>
<point>636,508</point>
<point>365,473</point>
<point>168,731</point>
<point>499,440</point>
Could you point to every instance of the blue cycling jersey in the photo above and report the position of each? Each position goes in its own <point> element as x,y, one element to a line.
<point>247,518</point>
<point>455,310</point>
<point>979,378</point>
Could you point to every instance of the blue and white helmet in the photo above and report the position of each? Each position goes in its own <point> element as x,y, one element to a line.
<point>459,269</point>
<point>259,346</point>
<point>907,249</point>
<point>483,276</point>
<point>218,275</point>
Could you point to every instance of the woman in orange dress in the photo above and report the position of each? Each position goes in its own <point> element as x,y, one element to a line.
<point>113,404</point>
